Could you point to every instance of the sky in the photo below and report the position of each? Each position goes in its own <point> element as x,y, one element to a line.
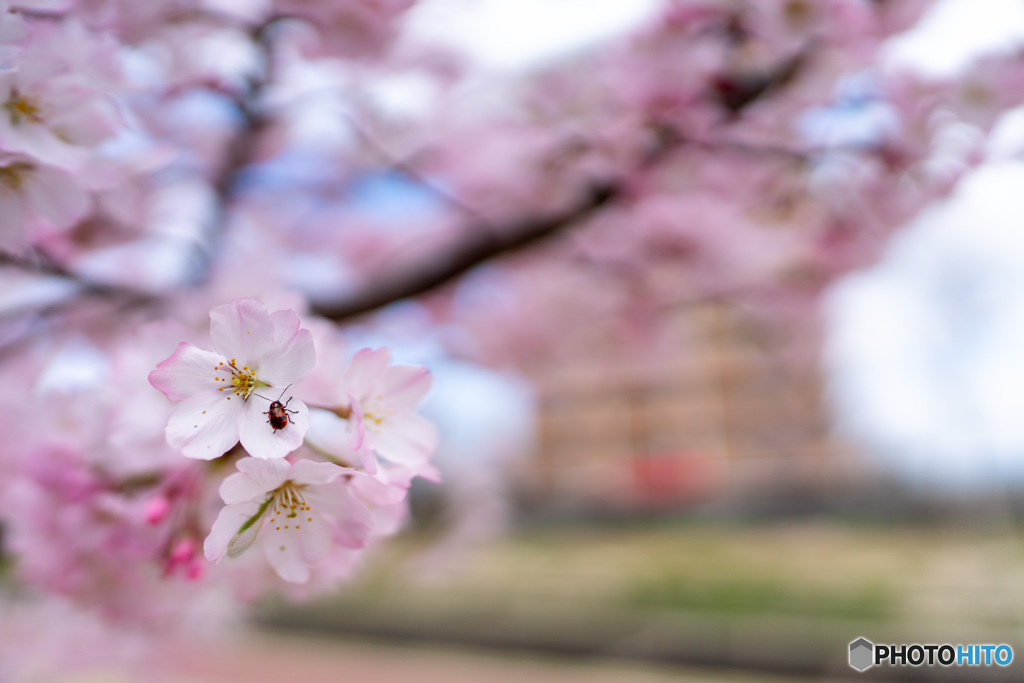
<point>510,36</point>
<point>954,31</point>
<point>924,355</point>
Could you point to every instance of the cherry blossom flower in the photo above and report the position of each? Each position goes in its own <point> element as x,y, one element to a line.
<point>383,399</point>
<point>226,394</point>
<point>54,105</point>
<point>30,192</point>
<point>301,510</point>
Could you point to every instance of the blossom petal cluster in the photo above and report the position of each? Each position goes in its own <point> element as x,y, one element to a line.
<point>56,85</point>
<point>235,394</point>
<point>296,511</point>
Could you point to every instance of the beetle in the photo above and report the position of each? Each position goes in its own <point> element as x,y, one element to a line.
<point>277,415</point>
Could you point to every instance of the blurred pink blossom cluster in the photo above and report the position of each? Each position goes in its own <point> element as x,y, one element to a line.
<point>159,158</point>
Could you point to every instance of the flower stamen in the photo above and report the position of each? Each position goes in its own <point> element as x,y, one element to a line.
<point>241,382</point>
<point>13,175</point>
<point>21,108</point>
<point>288,499</point>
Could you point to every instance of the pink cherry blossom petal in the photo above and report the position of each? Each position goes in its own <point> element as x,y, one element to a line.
<point>359,427</point>
<point>362,442</point>
<point>349,516</point>
<point>405,386</point>
<point>14,216</point>
<point>388,519</point>
<point>39,142</point>
<point>261,440</point>
<point>315,538</point>
<point>428,471</point>
<point>367,458</point>
<point>364,371</point>
<point>188,371</point>
<point>376,492</point>
<point>408,439</point>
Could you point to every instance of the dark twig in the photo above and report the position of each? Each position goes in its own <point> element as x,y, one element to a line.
<point>480,246</point>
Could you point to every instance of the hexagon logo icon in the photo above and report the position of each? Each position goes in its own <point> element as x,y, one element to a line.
<point>862,654</point>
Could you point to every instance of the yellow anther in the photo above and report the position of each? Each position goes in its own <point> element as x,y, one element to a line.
<point>19,108</point>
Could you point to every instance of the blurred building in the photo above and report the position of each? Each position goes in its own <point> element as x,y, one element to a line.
<point>734,411</point>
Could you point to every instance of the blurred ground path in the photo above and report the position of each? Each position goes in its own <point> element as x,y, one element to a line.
<point>686,601</point>
<point>265,657</point>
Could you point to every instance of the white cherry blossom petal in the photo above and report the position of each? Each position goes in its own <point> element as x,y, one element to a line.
<point>56,196</point>
<point>286,325</point>
<point>284,553</point>
<point>227,526</point>
<point>292,358</point>
<point>261,440</point>
<point>309,472</point>
<point>315,538</point>
<point>188,371</point>
<point>41,143</point>
<point>242,330</point>
<point>204,426</point>
<point>253,479</point>
<point>295,542</point>
<point>329,433</point>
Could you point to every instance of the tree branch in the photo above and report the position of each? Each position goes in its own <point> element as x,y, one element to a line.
<point>485,242</point>
<point>482,245</point>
